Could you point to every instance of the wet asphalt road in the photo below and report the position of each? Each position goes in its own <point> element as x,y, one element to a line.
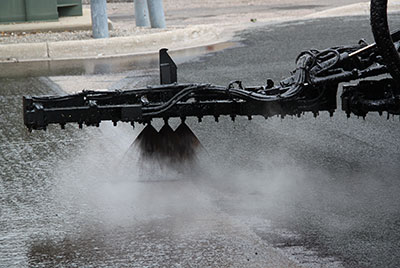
<point>334,181</point>
<point>323,191</point>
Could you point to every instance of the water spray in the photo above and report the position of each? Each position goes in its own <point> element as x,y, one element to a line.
<point>175,149</point>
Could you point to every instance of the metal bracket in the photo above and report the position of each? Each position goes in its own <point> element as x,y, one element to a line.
<point>168,68</point>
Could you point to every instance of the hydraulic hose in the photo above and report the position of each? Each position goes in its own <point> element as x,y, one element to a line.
<point>383,39</point>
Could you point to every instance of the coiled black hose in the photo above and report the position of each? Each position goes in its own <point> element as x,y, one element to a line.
<point>383,39</point>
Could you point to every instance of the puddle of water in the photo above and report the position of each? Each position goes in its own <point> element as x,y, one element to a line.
<point>103,65</point>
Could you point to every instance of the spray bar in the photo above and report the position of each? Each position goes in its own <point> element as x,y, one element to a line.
<point>312,87</point>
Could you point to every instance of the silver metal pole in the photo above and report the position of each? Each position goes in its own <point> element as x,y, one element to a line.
<point>141,13</point>
<point>156,12</point>
<point>99,18</point>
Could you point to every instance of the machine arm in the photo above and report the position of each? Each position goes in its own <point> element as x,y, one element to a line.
<point>311,87</point>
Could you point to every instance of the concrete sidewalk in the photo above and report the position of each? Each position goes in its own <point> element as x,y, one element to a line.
<point>197,23</point>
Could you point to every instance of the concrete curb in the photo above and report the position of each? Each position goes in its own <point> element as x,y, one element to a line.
<point>99,48</point>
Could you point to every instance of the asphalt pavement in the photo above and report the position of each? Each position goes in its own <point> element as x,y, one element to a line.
<point>332,181</point>
<point>308,192</point>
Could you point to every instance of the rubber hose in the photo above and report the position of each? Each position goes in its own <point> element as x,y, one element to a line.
<point>383,39</point>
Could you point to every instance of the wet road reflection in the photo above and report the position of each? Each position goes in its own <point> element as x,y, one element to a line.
<point>26,166</point>
<point>102,66</point>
